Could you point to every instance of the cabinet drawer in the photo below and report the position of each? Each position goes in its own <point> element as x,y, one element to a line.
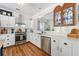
<point>66,43</point>
<point>8,40</point>
<point>6,44</point>
<point>54,42</point>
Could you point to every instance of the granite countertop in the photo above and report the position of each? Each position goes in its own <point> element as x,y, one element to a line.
<point>60,35</point>
<point>54,34</point>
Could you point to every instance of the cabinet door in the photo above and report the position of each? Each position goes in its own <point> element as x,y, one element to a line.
<point>4,21</point>
<point>37,40</point>
<point>11,21</point>
<point>0,19</point>
<point>3,37</point>
<point>76,48</point>
<point>9,40</point>
<point>66,48</point>
<point>32,37</point>
<point>13,39</point>
<point>54,47</point>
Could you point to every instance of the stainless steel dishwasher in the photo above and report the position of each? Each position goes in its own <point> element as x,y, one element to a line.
<point>46,44</point>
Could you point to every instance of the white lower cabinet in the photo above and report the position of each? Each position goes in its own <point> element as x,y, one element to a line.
<point>75,51</point>
<point>54,50</point>
<point>35,39</point>
<point>9,39</point>
<point>54,47</point>
<point>65,48</point>
<point>76,48</point>
<point>62,46</point>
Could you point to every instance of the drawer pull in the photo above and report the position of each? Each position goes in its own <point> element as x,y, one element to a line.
<point>54,41</point>
<point>7,35</point>
<point>8,43</point>
<point>65,44</point>
<point>7,39</point>
<point>60,49</point>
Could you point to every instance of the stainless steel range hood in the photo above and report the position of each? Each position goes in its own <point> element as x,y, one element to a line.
<point>20,21</point>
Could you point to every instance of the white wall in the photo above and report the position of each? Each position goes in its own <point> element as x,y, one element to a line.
<point>34,37</point>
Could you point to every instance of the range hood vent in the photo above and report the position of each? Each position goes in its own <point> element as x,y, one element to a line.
<point>20,20</point>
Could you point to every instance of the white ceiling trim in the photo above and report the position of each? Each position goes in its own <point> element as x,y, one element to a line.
<point>41,14</point>
<point>46,11</point>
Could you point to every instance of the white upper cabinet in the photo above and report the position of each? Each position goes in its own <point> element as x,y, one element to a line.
<point>11,21</point>
<point>7,21</point>
<point>4,20</point>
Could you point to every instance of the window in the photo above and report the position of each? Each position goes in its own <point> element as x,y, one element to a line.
<point>65,15</point>
<point>57,18</point>
<point>68,15</point>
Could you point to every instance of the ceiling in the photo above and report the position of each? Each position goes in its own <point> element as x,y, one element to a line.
<point>29,9</point>
<point>47,17</point>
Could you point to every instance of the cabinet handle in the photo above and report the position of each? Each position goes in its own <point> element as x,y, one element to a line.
<point>8,43</point>
<point>54,40</point>
<point>7,35</point>
<point>60,49</point>
<point>57,48</point>
<point>7,39</point>
<point>65,44</point>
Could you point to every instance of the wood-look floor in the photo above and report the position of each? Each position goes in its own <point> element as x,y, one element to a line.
<point>26,49</point>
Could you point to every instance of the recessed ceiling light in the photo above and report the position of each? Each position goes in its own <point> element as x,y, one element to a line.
<point>21,4</point>
<point>17,9</point>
